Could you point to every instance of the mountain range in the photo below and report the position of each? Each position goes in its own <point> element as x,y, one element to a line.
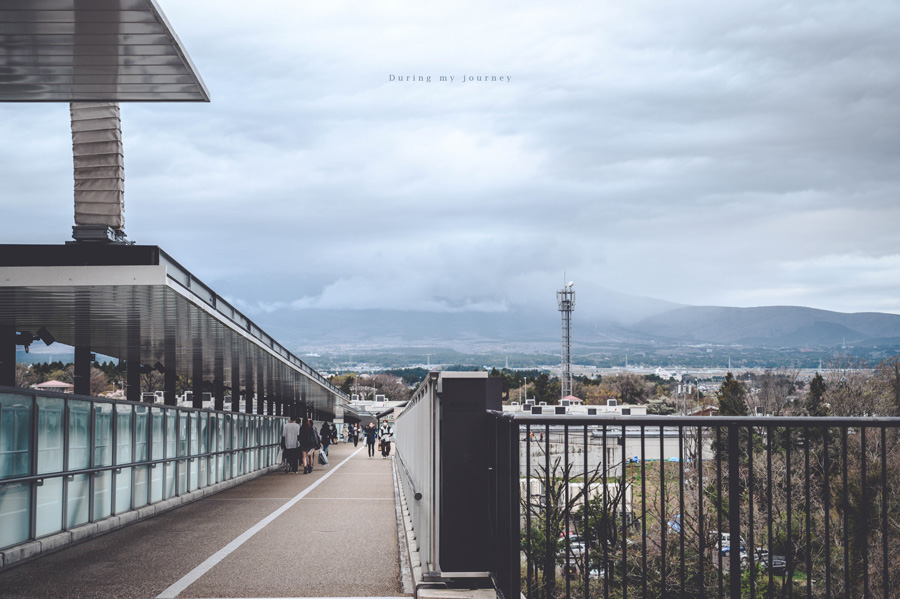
<point>620,320</point>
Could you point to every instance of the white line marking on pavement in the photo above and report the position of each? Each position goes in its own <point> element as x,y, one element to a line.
<point>192,576</point>
<point>350,499</point>
<point>248,498</point>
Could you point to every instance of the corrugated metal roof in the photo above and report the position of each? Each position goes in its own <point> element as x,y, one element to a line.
<point>121,300</point>
<point>96,50</point>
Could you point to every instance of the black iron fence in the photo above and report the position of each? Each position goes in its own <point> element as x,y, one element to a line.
<point>705,507</point>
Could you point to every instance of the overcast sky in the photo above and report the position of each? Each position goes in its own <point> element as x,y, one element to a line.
<point>731,153</point>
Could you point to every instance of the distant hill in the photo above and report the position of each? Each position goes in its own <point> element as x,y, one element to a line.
<point>788,326</point>
<point>602,318</point>
<point>598,312</point>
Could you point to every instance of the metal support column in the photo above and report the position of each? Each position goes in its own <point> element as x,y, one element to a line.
<point>82,370</point>
<point>248,381</point>
<point>197,370</point>
<point>133,359</point>
<point>218,394</point>
<point>261,385</point>
<point>219,376</point>
<point>170,376</point>
<point>235,377</point>
<point>82,378</point>
<point>8,356</point>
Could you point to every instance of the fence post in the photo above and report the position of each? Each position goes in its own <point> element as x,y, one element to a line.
<point>465,454</point>
<point>734,510</point>
<point>506,505</point>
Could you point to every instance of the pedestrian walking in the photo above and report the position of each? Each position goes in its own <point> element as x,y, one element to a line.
<point>371,434</point>
<point>309,442</point>
<point>354,432</point>
<point>290,442</point>
<point>386,438</point>
<point>325,436</point>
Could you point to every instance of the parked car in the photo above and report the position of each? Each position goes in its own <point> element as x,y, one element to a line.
<point>724,543</point>
<point>577,545</point>
<point>778,563</point>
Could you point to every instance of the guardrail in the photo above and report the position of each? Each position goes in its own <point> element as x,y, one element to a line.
<point>736,507</point>
<point>417,446</point>
<point>66,461</point>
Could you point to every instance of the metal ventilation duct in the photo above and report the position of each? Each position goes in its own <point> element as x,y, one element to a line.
<point>99,166</point>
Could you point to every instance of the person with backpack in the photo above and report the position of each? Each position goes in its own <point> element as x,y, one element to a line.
<point>371,433</point>
<point>309,442</point>
<point>290,444</point>
<point>386,436</point>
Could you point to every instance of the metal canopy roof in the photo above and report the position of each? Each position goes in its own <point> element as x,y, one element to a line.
<point>92,51</point>
<point>119,298</point>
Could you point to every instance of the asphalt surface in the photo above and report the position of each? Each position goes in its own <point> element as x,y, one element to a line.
<point>337,540</point>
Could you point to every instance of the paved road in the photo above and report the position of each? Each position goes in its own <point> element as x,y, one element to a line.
<point>329,533</point>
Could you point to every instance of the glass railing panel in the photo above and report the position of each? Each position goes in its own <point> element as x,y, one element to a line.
<point>79,434</point>
<point>102,494</point>
<point>229,427</point>
<point>49,506</point>
<point>169,481</point>
<point>181,474</point>
<point>183,422</point>
<point>141,432</point>
<point>51,437</point>
<point>226,469</point>
<point>158,433</point>
<point>103,434</point>
<point>78,500</point>
<point>220,433</point>
<point>156,483</point>
<point>194,432</point>
<point>140,486</point>
<point>123,490</point>
<point>193,481</point>
<point>203,472</point>
<point>171,439</point>
<point>124,416</point>
<point>204,432</point>
<point>15,513</point>
<point>15,435</point>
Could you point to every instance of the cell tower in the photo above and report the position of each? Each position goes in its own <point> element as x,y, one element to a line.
<point>566,299</point>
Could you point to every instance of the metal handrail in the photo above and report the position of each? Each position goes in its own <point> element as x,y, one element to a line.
<point>94,469</point>
<point>416,493</point>
<point>715,421</point>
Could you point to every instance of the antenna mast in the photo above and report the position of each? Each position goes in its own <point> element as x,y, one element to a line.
<point>566,299</point>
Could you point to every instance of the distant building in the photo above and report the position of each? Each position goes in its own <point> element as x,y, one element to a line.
<point>708,410</point>
<point>575,406</point>
<point>58,386</point>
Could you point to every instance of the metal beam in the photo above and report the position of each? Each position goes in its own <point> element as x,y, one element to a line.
<point>8,355</point>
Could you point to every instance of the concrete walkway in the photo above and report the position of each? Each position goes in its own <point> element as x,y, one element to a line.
<point>332,533</point>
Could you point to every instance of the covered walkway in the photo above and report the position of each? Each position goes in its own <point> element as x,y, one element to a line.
<point>329,533</point>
